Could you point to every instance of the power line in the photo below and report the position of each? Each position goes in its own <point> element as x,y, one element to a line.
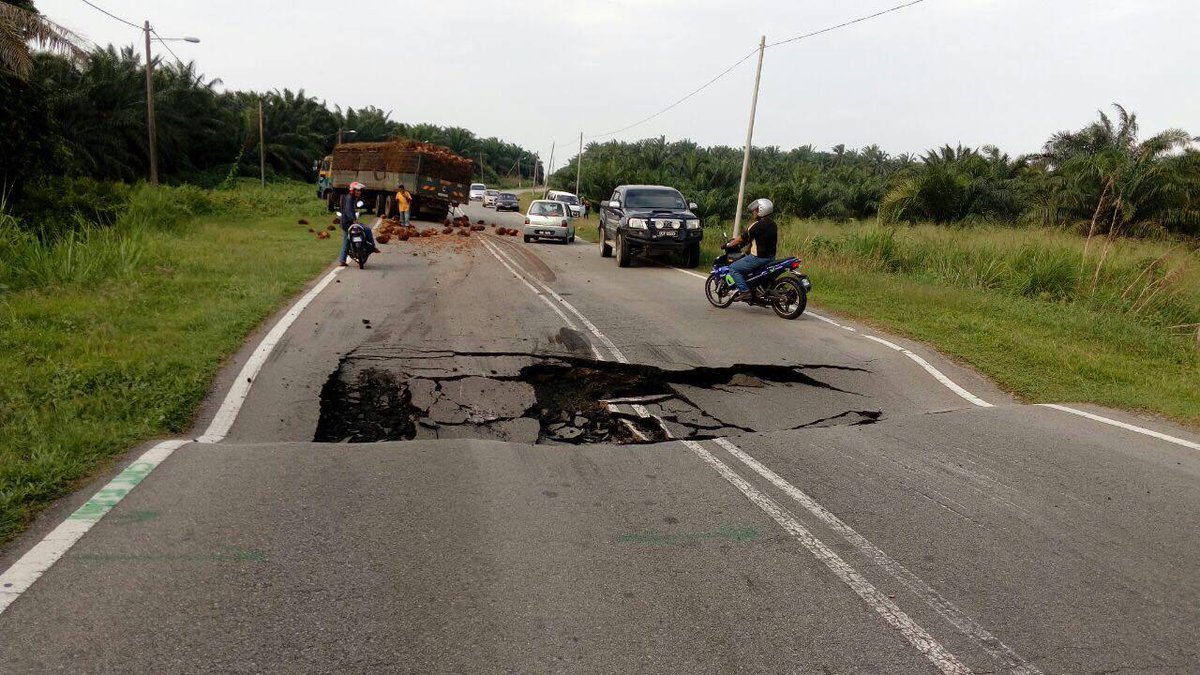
<point>163,42</point>
<point>848,23</point>
<point>111,15</point>
<point>676,103</point>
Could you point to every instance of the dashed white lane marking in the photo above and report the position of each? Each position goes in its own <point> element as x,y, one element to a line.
<point>1123,425</point>
<point>897,618</point>
<point>18,578</point>
<point>226,415</point>
<point>948,610</point>
<point>917,636</point>
<point>23,573</point>
<point>954,387</point>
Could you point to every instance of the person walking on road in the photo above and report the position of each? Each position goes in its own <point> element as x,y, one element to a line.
<point>404,200</point>
<point>349,216</point>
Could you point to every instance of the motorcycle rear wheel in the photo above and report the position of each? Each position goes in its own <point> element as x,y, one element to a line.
<point>718,292</point>
<point>788,298</point>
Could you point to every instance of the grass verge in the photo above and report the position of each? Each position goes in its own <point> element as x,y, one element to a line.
<point>94,364</point>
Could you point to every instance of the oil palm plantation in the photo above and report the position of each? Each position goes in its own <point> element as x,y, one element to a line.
<point>22,26</point>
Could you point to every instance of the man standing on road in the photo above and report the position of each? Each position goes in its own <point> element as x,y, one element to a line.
<point>763,235</point>
<point>349,217</point>
<point>403,204</point>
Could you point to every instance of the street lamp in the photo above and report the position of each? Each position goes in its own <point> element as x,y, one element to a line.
<point>150,97</point>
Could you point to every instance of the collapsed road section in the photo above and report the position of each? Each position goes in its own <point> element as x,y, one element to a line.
<point>397,395</point>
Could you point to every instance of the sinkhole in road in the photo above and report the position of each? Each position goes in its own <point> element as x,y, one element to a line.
<point>535,398</point>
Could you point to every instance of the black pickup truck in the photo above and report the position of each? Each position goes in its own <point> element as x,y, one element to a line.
<point>649,219</point>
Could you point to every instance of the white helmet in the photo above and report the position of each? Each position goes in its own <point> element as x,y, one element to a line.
<point>764,206</point>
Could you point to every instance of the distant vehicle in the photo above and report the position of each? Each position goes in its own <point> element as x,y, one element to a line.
<point>435,176</point>
<point>649,219</point>
<point>572,202</point>
<point>477,190</point>
<point>548,219</point>
<point>489,197</point>
<point>507,201</point>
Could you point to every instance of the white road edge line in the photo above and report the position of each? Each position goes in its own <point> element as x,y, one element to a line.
<point>1011,661</point>
<point>914,633</point>
<point>1123,425</point>
<point>223,421</point>
<point>30,567</point>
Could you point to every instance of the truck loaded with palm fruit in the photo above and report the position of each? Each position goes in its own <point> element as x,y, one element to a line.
<point>434,175</point>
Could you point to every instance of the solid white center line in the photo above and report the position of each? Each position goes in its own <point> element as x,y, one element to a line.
<point>948,610</point>
<point>917,636</point>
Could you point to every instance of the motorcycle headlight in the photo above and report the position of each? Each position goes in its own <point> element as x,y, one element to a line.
<point>637,223</point>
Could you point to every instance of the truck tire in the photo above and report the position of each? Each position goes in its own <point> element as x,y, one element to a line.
<point>331,200</point>
<point>623,257</point>
<point>605,248</point>
<point>691,256</point>
<point>380,204</point>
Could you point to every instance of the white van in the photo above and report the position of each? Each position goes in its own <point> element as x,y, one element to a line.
<point>572,202</point>
<point>477,191</point>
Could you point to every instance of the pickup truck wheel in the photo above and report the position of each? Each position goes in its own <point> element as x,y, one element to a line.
<point>605,248</point>
<point>528,239</point>
<point>691,256</point>
<point>623,257</point>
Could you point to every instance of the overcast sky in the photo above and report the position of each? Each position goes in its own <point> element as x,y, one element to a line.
<point>1005,72</point>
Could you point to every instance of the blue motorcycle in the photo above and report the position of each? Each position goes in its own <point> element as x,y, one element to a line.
<point>778,285</point>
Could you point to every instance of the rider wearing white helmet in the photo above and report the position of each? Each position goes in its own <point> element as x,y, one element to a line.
<point>349,217</point>
<point>762,235</point>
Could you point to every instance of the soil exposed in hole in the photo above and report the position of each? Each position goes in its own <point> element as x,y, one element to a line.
<point>534,398</point>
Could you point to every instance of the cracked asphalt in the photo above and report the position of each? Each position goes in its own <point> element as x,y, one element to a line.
<point>433,473</point>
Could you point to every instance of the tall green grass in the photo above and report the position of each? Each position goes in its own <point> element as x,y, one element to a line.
<point>1150,281</point>
<point>79,251</point>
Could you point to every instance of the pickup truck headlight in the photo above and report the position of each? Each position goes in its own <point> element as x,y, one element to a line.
<point>693,224</point>
<point>637,223</point>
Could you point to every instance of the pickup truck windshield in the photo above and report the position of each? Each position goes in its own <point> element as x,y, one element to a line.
<point>654,199</point>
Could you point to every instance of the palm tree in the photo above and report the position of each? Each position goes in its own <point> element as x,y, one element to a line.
<point>20,25</point>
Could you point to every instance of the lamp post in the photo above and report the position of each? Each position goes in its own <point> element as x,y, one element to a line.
<point>341,131</point>
<point>150,121</point>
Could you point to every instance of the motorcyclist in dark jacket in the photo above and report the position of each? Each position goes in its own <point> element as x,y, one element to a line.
<point>762,236</point>
<point>349,217</point>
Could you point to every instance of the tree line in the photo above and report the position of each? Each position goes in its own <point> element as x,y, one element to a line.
<point>1104,178</point>
<point>86,117</point>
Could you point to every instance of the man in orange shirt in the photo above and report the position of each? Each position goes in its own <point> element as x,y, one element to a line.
<point>403,204</point>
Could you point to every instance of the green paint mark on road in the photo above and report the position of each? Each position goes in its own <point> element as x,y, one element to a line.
<point>228,554</point>
<point>657,539</point>
<point>133,517</point>
<point>103,501</point>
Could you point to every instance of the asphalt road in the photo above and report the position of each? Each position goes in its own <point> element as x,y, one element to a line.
<point>817,502</point>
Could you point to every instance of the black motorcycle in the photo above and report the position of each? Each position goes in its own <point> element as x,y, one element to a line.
<point>360,247</point>
<point>778,285</point>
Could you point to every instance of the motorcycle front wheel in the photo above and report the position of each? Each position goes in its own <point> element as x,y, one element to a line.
<point>718,292</point>
<point>788,298</point>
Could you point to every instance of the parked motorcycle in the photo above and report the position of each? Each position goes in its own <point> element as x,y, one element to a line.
<point>360,247</point>
<point>778,285</point>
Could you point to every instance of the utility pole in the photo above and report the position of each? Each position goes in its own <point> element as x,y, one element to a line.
<point>262,146</point>
<point>551,167</point>
<point>579,164</point>
<point>537,163</point>
<point>737,216</point>
<point>518,172</point>
<point>150,109</point>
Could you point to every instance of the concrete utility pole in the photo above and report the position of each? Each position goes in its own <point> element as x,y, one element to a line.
<point>737,216</point>
<point>150,109</point>
<point>551,167</point>
<point>262,146</point>
<point>518,172</point>
<point>579,164</point>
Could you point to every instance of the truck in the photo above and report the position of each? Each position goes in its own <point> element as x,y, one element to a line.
<point>434,175</point>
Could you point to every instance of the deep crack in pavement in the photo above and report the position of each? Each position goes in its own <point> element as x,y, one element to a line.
<point>539,398</point>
